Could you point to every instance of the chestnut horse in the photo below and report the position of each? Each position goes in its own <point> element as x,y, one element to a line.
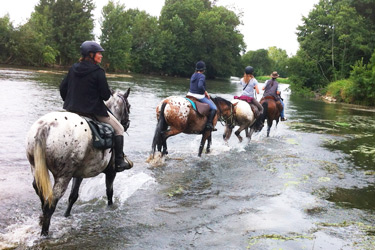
<point>271,111</point>
<point>62,143</point>
<point>176,115</point>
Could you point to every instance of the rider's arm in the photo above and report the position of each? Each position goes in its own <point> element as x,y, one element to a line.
<point>104,91</point>
<point>265,85</point>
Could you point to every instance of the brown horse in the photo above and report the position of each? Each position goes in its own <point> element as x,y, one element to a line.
<point>271,111</point>
<point>176,115</point>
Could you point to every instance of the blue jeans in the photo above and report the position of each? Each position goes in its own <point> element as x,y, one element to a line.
<point>209,102</point>
<point>282,111</point>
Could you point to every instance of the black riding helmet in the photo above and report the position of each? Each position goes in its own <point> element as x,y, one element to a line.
<point>249,70</point>
<point>90,46</point>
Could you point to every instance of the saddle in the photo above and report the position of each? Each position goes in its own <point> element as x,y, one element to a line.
<point>278,103</point>
<point>200,107</point>
<point>102,133</point>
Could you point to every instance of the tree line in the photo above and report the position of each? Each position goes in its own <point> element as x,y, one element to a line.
<point>336,41</point>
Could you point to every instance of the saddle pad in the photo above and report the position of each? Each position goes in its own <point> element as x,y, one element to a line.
<point>192,103</point>
<point>244,98</point>
<point>102,133</point>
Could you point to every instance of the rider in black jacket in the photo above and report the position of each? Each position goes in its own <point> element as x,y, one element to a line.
<point>84,90</point>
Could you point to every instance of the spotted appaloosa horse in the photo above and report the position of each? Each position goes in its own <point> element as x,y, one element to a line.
<point>271,111</point>
<point>243,117</point>
<point>176,115</point>
<point>61,142</point>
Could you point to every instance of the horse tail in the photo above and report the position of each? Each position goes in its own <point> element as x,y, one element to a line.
<point>41,174</point>
<point>160,127</point>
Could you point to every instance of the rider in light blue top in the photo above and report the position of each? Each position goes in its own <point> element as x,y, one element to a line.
<point>198,90</point>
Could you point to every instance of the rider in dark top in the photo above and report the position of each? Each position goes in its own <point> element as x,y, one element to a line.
<point>84,90</point>
<point>198,90</point>
<point>271,88</point>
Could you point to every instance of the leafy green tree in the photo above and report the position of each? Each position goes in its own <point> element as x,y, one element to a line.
<point>6,30</point>
<point>363,75</point>
<point>197,30</point>
<point>334,36</point>
<point>258,59</point>
<point>147,45</point>
<point>116,38</point>
<point>279,58</point>
<point>218,42</point>
<point>73,24</point>
<point>178,17</point>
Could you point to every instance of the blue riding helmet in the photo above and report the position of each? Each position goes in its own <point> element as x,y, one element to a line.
<point>90,46</point>
<point>200,66</point>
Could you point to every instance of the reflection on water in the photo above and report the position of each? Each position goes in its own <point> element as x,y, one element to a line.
<point>354,198</point>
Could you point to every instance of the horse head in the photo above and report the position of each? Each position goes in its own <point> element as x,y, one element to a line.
<point>225,110</point>
<point>119,105</point>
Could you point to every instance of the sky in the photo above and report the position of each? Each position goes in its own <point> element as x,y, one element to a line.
<point>266,23</point>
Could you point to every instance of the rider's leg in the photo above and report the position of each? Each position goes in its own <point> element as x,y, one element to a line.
<point>211,116</point>
<point>260,107</point>
<point>282,112</point>
<point>120,164</point>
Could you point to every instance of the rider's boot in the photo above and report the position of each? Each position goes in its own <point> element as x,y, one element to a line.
<point>209,124</point>
<point>120,164</point>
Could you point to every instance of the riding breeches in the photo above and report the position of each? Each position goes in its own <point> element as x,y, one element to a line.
<point>209,102</point>
<point>256,103</point>
<point>111,120</point>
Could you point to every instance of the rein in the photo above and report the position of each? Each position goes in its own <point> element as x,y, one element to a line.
<point>229,120</point>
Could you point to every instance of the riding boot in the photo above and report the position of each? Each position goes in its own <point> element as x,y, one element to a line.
<point>209,124</point>
<point>120,164</point>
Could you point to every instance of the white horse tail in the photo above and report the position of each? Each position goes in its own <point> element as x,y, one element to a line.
<point>41,174</point>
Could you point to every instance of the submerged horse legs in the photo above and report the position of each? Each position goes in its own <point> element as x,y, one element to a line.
<point>73,195</point>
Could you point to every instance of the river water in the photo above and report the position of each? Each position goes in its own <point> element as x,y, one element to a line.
<point>310,185</point>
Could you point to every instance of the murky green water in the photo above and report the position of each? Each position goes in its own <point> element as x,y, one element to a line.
<point>310,185</point>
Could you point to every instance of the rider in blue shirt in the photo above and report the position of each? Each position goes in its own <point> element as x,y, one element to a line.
<point>198,90</point>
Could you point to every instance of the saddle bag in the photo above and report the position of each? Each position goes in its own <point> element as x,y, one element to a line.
<point>102,134</point>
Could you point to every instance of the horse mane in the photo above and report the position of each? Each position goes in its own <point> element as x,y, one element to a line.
<point>220,99</point>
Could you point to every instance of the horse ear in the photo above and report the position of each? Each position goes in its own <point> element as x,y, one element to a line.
<point>235,104</point>
<point>127,93</point>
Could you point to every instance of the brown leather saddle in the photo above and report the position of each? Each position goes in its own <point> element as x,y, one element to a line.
<point>200,107</point>
<point>278,103</point>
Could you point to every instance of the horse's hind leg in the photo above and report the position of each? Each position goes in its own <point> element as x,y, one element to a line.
<point>59,189</point>
<point>209,141</point>
<point>73,195</point>
<point>38,193</point>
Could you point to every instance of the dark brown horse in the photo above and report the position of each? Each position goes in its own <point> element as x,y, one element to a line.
<point>271,111</point>
<point>176,115</point>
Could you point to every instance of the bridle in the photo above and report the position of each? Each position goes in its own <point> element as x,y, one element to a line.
<point>125,121</point>
<point>229,121</point>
